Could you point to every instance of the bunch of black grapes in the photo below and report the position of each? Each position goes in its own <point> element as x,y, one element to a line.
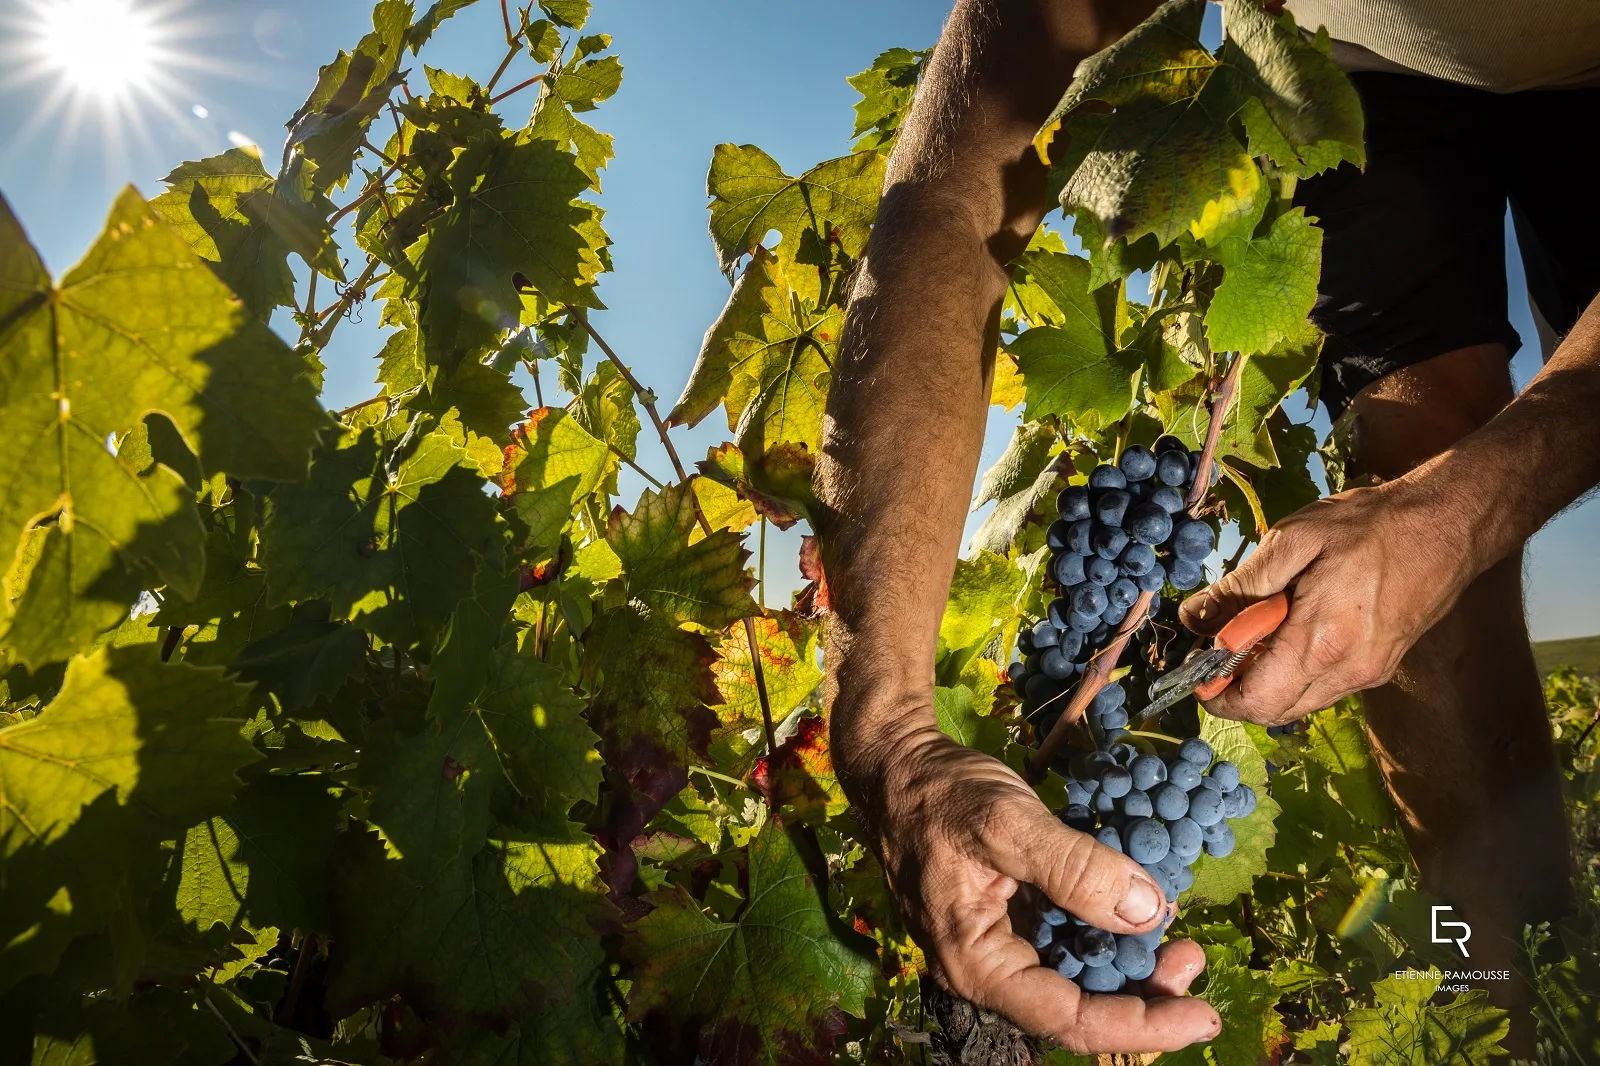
<point>1161,813</point>
<point>1122,534</point>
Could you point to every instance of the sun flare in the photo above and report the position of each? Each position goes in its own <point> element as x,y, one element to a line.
<point>102,48</point>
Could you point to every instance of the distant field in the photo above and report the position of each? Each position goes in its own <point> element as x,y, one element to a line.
<point>1581,653</point>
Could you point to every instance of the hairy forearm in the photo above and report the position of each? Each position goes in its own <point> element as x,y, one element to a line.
<point>1532,460</point>
<point>907,406</point>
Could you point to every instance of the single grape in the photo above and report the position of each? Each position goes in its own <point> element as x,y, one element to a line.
<point>1089,599</point>
<point>1135,804</point>
<point>1115,737</point>
<point>1112,695</point>
<point>1100,571</point>
<point>1123,752</point>
<point>1145,840</point>
<point>1110,505</point>
<point>1192,540</point>
<point>1209,782</point>
<point>1222,846</point>
<point>1078,816</point>
<point>1043,935</point>
<point>1194,468</point>
<point>1043,635</point>
<point>1067,569</point>
<point>1168,499</point>
<point>1106,476</point>
<point>1151,938</point>
<point>1240,802</point>
<point>1016,670</point>
<point>1185,879</point>
<point>1065,962</point>
<point>1056,535</point>
<point>1184,775</point>
<point>1226,775</point>
<point>1205,807</point>
<point>1098,635</point>
<point>1171,863</point>
<point>1096,947</point>
<point>1109,837</point>
<point>1099,762</point>
<point>1148,772</point>
<point>1172,467</point>
<point>1053,915</point>
<point>1116,718</point>
<point>1072,502</point>
<point>1025,641</point>
<point>1186,837</point>
<point>1108,542</point>
<point>1116,782</point>
<point>1185,575</point>
<point>1113,615</point>
<point>1080,792</point>
<point>1196,751</point>
<point>1078,537</point>
<point>1136,559</point>
<point>1137,462</point>
<point>1167,443</point>
<point>1082,622</point>
<point>1102,979</point>
<point>1134,959</point>
<point>1055,665</point>
<point>1102,803</point>
<point>1122,592</point>
<point>1070,641</point>
<point>1171,801</point>
<point>1148,523</point>
<point>1153,579</point>
<point>1169,889</point>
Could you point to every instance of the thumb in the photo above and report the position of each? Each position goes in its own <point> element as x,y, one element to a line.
<point>1083,876</point>
<point>1280,558</point>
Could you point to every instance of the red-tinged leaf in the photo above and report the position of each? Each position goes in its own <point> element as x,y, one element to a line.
<point>812,600</point>
<point>799,778</point>
<point>651,684</point>
<point>778,486</point>
<point>704,583</point>
<point>770,986</point>
<point>550,466</point>
<point>789,666</point>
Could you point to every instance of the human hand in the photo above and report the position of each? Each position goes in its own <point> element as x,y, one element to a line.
<point>1370,570</point>
<point>960,833</point>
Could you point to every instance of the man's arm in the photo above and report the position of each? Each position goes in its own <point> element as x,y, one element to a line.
<point>957,830</point>
<point>1373,569</point>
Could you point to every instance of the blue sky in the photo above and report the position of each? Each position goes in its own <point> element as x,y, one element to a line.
<point>698,73</point>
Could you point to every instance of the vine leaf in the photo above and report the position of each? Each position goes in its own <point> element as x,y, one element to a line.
<point>393,549</point>
<point>546,750</point>
<point>886,90</point>
<point>138,326</point>
<point>960,720</point>
<point>768,986</point>
<point>1268,286</point>
<point>799,779</point>
<point>704,583</point>
<point>788,646</point>
<point>651,686</point>
<point>1405,1029</point>
<point>1247,1000</point>
<point>551,465</point>
<point>1072,367</point>
<point>1019,482</point>
<point>311,657</point>
<point>983,595</point>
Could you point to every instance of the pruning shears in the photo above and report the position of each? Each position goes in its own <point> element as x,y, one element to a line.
<point>1206,672</point>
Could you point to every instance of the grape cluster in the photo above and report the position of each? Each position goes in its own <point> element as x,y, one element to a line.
<point>1160,812</point>
<point>1123,533</point>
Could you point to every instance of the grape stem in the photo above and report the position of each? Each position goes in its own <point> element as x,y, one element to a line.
<point>647,399</point>
<point>1105,661</point>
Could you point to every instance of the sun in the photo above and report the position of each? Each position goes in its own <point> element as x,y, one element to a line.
<point>105,49</point>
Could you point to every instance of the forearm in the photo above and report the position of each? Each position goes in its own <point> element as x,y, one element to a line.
<point>907,406</point>
<point>1532,460</point>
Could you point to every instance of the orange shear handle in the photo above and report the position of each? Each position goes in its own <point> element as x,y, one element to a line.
<point>1243,634</point>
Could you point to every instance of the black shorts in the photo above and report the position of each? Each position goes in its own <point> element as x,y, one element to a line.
<point>1413,253</point>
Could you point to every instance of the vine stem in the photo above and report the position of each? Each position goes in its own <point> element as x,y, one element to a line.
<point>1105,661</point>
<point>517,88</point>
<point>318,337</point>
<point>647,399</point>
<point>245,1048</point>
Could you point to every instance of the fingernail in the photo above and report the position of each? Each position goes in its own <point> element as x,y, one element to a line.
<point>1142,902</point>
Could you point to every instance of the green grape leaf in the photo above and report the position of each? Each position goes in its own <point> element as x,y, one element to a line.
<point>591,148</point>
<point>309,658</point>
<point>428,22</point>
<point>582,85</point>
<point>1073,368</point>
<point>546,750</point>
<point>391,542</point>
<point>651,685</point>
<point>466,926</point>
<point>582,1029</point>
<point>137,326</point>
<point>886,89</point>
<point>1219,881</point>
<point>833,202</point>
<point>1268,286</point>
<point>156,1025</point>
<point>788,645</point>
<point>704,583</point>
<point>328,129</point>
<point>551,465</point>
<point>606,409</point>
<point>960,720</point>
<point>515,223</point>
<point>125,723</point>
<point>1020,482</point>
<point>485,401</point>
<point>1246,1000</point>
<point>777,484</point>
<point>764,986</point>
<point>569,13</point>
<point>983,599</point>
<point>1320,1044</point>
<point>1405,1029</point>
<point>723,508</point>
